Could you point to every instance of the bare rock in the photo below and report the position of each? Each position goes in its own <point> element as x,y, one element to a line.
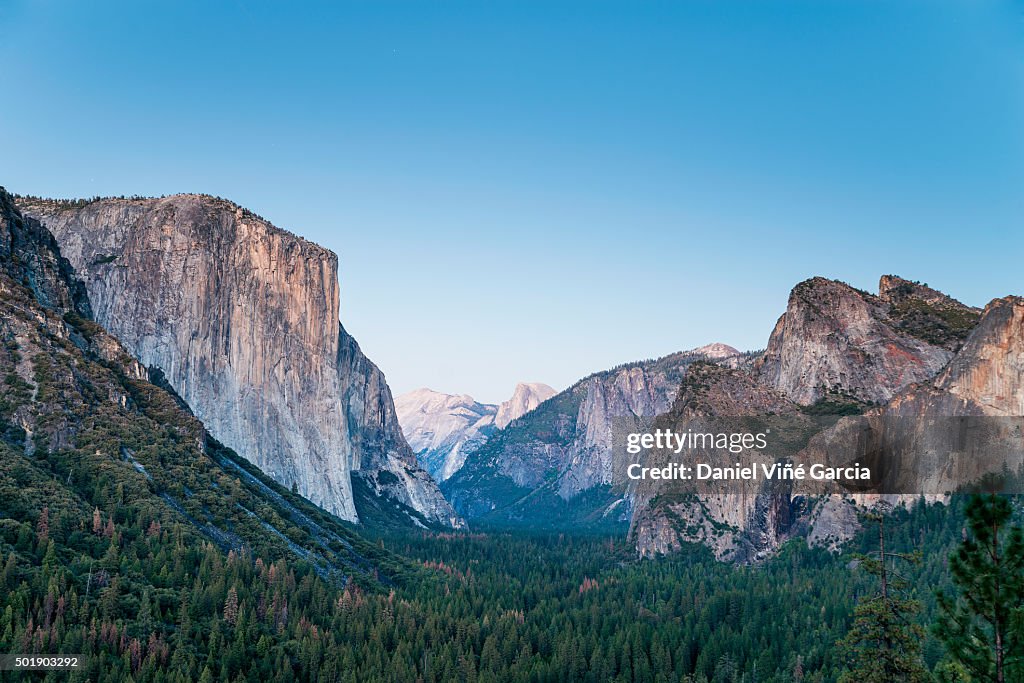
<point>243,320</point>
<point>834,339</point>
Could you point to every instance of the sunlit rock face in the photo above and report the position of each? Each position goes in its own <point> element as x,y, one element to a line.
<point>243,319</point>
<point>443,428</point>
<point>525,397</point>
<point>834,339</point>
<point>912,359</point>
<point>555,465</point>
<point>936,437</point>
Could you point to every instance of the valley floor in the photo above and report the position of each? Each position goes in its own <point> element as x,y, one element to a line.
<point>563,608</point>
<point>464,607</point>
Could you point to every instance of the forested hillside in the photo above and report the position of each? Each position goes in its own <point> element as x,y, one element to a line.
<point>130,537</point>
<point>484,608</point>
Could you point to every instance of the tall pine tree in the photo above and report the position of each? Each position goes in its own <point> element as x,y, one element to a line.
<point>884,644</point>
<point>981,625</point>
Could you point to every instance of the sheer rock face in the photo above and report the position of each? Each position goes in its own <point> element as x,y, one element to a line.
<point>834,339</point>
<point>74,392</point>
<point>242,318</point>
<point>753,518</point>
<point>957,428</point>
<point>565,446</point>
<point>609,400</point>
<point>837,343</point>
<point>989,369</point>
<point>641,391</point>
<point>525,397</point>
<point>383,458</point>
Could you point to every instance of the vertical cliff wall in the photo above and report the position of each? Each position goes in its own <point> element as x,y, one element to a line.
<point>554,465</point>
<point>382,457</point>
<point>834,339</point>
<point>242,317</point>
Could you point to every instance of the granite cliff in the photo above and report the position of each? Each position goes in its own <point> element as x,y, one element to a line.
<point>938,436</point>
<point>892,380</point>
<point>85,429</point>
<point>834,340</point>
<point>443,428</point>
<point>740,521</point>
<point>242,318</point>
<point>554,466</point>
<point>837,356</point>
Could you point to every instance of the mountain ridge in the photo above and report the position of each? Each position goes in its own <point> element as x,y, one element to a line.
<point>909,423</point>
<point>442,428</point>
<point>561,450</point>
<point>835,352</point>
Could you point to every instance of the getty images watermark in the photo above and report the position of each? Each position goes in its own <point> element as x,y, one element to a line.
<point>870,453</point>
<point>668,441</point>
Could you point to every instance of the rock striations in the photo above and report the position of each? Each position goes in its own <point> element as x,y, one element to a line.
<point>243,320</point>
<point>748,520</point>
<point>554,466</point>
<point>834,339</point>
<point>937,436</point>
<point>915,361</point>
<point>82,426</point>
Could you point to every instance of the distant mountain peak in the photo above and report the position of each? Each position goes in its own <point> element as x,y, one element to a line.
<point>525,397</point>
<point>717,351</point>
<point>443,428</point>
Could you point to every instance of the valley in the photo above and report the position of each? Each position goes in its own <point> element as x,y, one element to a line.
<point>159,519</point>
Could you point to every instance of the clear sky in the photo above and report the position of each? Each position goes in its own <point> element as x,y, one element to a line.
<point>538,190</point>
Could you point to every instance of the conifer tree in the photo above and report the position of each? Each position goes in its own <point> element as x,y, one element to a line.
<point>231,607</point>
<point>981,625</point>
<point>884,644</point>
<point>43,526</point>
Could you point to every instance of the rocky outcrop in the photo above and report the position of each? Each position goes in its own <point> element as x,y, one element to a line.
<point>927,314</point>
<point>77,404</point>
<point>525,398</point>
<point>744,520</point>
<point>382,457</point>
<point>932,437</point>
<point>940,436</point>
<point>443,428</point>
<point>538,469</point>
<point>29,255</point>
<point>838,350</point>
<point>834,340</point>
<point>989,369</point>
<point>242,319</point>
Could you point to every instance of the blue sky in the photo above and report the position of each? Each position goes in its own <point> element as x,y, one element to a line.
<point>538,190</point>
